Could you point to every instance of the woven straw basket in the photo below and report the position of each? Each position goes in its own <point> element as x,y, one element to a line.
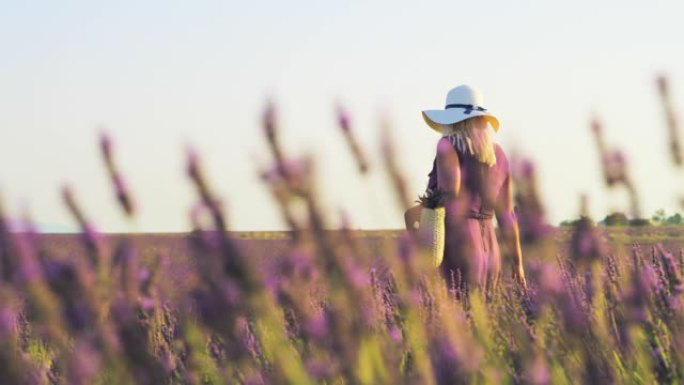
<point>432,233</point>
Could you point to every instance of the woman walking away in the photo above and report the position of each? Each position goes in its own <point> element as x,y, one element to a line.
<point>472,176</point>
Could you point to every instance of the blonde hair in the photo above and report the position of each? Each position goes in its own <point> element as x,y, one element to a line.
<point>472,136</point>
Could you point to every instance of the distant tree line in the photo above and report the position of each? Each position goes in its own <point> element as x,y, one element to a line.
<point>659,218</point>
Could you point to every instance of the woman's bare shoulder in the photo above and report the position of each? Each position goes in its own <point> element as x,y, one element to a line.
<point>445,147</point>
<point>501,158</point>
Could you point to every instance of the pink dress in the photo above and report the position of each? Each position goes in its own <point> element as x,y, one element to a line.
<point>472,255</point>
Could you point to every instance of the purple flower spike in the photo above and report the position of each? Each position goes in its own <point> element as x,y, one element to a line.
<point>85,364</point>
<point>671,119</point>
<point>192,163</point>
<point>531,213</point>
<point>395,334</point>
<point>537,372</point>
<point>269,118</point>
<point>8,319</point>
<point>389,154</point>
<point>586,245</point>
<point>106,145</point>
<point>92,239</point>
<point>343,119</point>
<point>662,85</point>
<point>121,190</point>
<point>317,326</point>
<point>344,122</point>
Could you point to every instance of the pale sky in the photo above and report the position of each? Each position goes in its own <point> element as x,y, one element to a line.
<point>164,74</point>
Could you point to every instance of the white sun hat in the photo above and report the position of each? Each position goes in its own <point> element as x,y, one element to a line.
<point>462,102</point>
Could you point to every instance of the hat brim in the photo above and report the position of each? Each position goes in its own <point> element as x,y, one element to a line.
<point>437,119</point>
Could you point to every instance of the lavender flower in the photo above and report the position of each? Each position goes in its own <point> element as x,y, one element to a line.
<point>671,119</point>
<point>344,122</point>
<point>123,195</point>
<point>530,212</point>
<point>614,166</point>
<point>393,169</point>
<point>92,239</point>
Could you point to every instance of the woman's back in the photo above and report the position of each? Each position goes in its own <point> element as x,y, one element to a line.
<point>471,247</point>
<point>481,183</point>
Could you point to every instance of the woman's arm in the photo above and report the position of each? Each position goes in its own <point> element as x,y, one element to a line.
<point>508,223</point>
<point>448,168</point>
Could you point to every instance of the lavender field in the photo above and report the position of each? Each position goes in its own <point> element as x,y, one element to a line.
<point>602,305</point>
<point>349,307</point>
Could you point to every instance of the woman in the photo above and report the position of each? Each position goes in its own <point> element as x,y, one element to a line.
<point>472,175</point>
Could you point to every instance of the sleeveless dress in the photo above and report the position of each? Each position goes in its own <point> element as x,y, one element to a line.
<point>471,253</point>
